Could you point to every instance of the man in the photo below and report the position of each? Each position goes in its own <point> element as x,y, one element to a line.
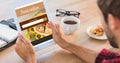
<point>110,12</point>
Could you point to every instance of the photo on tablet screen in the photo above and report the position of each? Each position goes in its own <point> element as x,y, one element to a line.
<point>33,22</point>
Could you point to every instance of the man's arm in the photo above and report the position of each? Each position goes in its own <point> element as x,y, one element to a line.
<point>86,54</point>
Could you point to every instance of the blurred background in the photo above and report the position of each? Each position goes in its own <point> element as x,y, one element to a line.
<point>5,8</point>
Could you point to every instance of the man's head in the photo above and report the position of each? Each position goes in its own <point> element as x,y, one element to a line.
<point>110,9</point>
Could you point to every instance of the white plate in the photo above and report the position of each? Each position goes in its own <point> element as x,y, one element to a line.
<point>103,37</point>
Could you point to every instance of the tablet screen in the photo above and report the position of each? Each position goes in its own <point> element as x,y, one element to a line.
<point>33,22</point>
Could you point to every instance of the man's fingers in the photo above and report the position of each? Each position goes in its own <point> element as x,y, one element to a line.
<point>55,26</point>
<point>58,28</point>
<point>18,42</point>
<point>25,41</point>
<point>52,27</point>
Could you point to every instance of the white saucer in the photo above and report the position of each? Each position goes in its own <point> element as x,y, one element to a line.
<point>103,37</point>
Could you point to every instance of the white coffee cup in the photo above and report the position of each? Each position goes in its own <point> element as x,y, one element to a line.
<point>70,24</point>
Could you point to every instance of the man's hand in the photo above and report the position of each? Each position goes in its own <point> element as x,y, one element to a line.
<point>58,35</point>
<point>25,49</point>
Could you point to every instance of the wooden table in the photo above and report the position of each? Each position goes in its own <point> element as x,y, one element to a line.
<point>54,54</point>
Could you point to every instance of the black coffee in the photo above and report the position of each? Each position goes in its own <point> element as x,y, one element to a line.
<point>70,22</point>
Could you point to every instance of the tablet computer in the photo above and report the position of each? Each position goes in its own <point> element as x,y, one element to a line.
<point>32,19</point>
